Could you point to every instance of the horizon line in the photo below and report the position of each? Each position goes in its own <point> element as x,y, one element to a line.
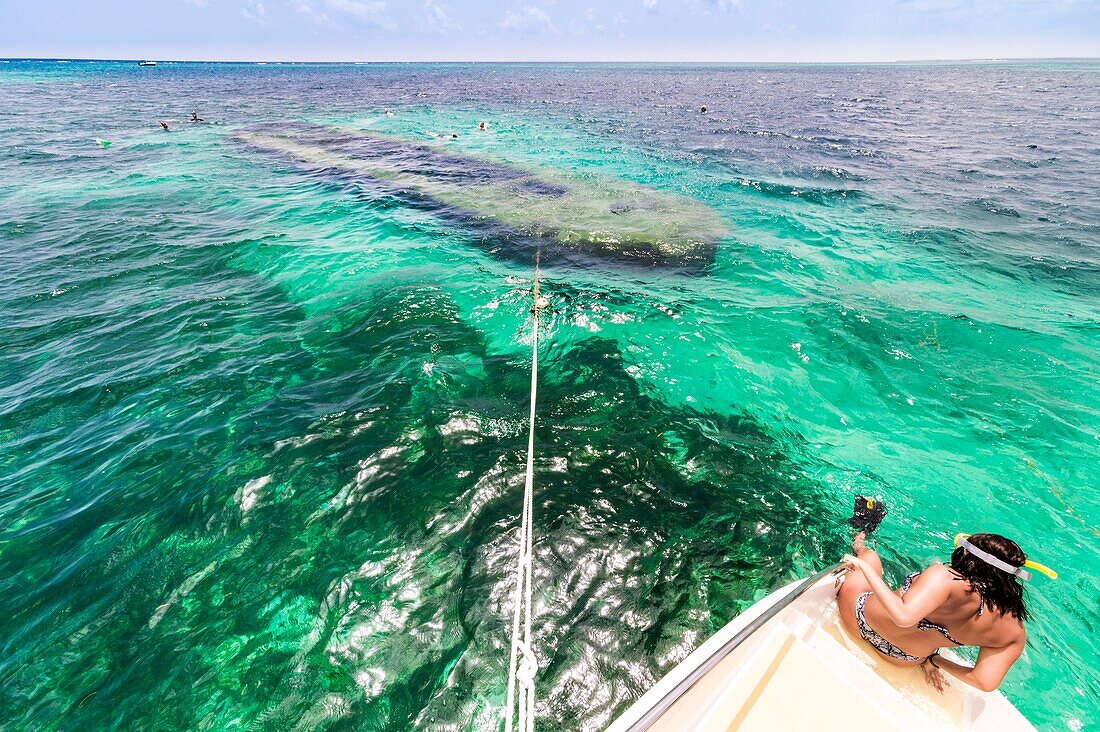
<point>984,59</point>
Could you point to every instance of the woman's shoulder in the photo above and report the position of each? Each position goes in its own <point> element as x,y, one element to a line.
<point>1009,629</point>
<point>939,573</point>
<point>1005,632</point>
<point>936,578</point>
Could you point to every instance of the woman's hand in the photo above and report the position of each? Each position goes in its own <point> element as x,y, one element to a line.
<point>852,563</point>
<point>932,674</point>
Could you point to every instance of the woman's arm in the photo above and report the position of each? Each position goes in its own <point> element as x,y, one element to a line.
<point>927,593</point>
<point>988,673</point>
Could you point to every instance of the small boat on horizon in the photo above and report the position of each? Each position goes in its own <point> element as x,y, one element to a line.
<point>147,63</point>
<point>787,663</point>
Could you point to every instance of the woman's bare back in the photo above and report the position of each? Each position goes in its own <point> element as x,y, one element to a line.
<point>963,614</point>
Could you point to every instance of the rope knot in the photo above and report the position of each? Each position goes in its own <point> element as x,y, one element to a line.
<point>528,666</point>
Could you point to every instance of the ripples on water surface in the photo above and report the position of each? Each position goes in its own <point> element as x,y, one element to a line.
<point>262,427</point>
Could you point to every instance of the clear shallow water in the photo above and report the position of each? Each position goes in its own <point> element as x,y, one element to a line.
<point>262,430</point>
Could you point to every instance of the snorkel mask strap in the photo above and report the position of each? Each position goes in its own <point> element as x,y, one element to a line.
<point>960,540</point>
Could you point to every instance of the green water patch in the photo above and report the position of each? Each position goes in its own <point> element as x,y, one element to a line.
<point>341,549</point>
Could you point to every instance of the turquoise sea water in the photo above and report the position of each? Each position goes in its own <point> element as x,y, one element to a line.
<point>262,426</point>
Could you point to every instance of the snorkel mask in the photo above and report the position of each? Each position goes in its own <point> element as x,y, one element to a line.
<point>961,540</point>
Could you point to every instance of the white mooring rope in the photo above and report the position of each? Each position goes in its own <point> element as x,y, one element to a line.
<point>523,704</point>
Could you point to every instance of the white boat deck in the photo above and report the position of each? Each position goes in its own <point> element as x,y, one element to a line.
<point>802,670</point>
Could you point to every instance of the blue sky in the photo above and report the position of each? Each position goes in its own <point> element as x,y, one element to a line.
<point>598,30</point>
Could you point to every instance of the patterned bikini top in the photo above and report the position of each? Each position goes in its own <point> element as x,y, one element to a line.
<point>928,624</point>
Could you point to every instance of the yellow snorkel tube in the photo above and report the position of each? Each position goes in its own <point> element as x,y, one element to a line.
<point>1041,568</point>
<point>961,540</point>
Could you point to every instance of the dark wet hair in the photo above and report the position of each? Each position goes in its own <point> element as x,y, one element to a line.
<point>1002,591</point>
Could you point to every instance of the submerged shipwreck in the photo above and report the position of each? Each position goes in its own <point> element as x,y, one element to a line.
<point>586,213</point>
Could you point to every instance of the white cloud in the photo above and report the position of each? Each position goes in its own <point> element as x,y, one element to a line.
<point>725,6</point>
<point>439,20</point>
<point>254,10</point>
<point>528,21</point>
<point>371,10</point>
<point>649,4</point>
<point>305,7</point>
<point>926,6</point>
<point>582,26</point>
